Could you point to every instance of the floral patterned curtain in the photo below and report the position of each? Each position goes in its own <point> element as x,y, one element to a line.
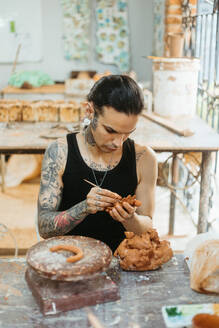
<point>112,33</point>
<point>76,29</point>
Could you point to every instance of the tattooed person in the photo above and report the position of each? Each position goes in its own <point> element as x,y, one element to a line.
<point>103,154</point>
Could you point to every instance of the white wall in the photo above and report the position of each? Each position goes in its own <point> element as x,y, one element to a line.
<point>53,62</point>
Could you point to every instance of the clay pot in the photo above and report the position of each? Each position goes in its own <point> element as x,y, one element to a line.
<point>175,43</point>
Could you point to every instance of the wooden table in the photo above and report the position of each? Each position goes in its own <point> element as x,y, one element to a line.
<point>28,138</point>
<point>24,138</point>
<point>204,140</point>
<point>142,296</point>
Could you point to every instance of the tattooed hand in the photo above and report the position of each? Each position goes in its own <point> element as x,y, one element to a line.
<point>98,199</point>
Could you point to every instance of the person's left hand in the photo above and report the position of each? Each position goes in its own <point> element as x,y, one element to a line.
<point>122,212</point>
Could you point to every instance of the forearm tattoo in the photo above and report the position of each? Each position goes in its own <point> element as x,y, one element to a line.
<point>52,222</point>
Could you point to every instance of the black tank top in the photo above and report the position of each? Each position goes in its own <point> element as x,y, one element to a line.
<point>122,179</point>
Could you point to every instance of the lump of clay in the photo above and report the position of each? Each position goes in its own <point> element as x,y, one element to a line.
<point>143,252</point>
<point>129,199</point>
<point>205,320</point>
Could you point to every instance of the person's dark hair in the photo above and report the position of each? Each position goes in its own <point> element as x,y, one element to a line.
<point>118,91</point>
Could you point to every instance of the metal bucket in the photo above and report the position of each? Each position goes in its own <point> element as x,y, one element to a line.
<point>175,83</point>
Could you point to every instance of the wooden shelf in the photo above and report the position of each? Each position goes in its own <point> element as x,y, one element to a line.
<point>56,88</point>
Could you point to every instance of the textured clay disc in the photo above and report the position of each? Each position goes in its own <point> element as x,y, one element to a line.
<point>52,265</point>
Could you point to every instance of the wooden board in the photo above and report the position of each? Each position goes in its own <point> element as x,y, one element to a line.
<point>58,296</point>
<point>53,265</point>
<point>168,124</point>
<point>160,139</point>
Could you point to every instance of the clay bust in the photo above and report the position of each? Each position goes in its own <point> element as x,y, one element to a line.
<point>143,252</point>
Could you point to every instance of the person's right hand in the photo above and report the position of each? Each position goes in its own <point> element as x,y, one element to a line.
<point>98,199</point>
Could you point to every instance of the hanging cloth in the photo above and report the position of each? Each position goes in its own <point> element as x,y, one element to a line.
<point>76,29</point>
<point>113,33</point>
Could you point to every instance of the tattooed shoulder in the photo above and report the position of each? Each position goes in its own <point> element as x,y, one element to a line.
<point>56,153</point>
<point>144,154</point>
<point>139,152</point>
<point>62,151</point>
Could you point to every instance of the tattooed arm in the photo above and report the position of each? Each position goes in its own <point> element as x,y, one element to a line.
<point>50,221</point>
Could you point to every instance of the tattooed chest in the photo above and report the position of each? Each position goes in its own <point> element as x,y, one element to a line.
<point>100,166</point>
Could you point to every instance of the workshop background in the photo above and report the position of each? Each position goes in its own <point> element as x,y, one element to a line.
<point>67,45</point>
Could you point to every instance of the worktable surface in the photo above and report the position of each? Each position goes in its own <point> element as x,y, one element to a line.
<point>32,138</point>
<point>23,137</point>
<point>159,138</point>
<point>142,296</point>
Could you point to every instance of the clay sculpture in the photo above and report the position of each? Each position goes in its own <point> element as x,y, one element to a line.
<point>129,199</point>
<point>143,252</point>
